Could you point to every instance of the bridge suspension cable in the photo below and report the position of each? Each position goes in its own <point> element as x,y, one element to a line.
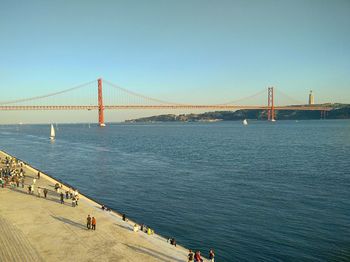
<point>242,99</point>
<point>143,96</point>
<point>297,102</point>
<point>47,95</point>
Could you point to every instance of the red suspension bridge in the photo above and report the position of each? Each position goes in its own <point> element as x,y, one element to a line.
<point>121,99</point>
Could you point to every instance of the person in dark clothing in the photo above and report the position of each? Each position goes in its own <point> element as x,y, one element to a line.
<point>124,217</point>
<point>88,222</point>
<point>190,256</point>
<point>211,255</point>
<point>173,241</point>
<point>38,175</point>
<point>45,192</point>
<point>67,194</point>
<point>62,197</point>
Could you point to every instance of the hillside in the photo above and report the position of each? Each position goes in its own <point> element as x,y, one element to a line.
<point>339,111</point>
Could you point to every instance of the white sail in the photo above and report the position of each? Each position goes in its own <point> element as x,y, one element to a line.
<point>52,135</point>
<point>245,122</point>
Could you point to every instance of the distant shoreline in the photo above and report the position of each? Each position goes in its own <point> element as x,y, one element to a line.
<point>339,111</point>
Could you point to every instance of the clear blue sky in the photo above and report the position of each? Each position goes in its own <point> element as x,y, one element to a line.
<point>186,51</point>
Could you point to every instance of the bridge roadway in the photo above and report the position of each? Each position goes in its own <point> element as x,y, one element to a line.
<point>126,107</point>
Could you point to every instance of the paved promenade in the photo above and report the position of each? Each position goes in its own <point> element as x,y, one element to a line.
<point>33,228</point>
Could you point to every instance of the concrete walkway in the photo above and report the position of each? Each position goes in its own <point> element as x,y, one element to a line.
<point>39,229</point>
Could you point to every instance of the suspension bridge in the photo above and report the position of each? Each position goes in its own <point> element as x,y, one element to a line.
<point>119,98</point>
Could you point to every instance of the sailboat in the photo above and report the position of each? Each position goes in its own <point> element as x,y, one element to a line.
<point>52,134</point>
<point>245,122</point>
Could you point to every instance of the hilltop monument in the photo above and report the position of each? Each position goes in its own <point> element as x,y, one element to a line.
<point>311,98</point>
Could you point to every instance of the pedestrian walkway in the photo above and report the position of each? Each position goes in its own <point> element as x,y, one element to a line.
<point>14,245</point>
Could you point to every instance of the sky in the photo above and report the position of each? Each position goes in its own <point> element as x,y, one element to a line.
<point>186,51</point>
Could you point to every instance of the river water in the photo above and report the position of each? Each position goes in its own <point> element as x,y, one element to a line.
<point>263,192</point>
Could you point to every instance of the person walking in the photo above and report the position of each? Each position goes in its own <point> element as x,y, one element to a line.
<point>29,189</point>
<point>38,175</point>
<point>211,255</point>
<point>88,222</point>
<point>76,199</point>
<point>190,256</point>
<point>45,192</point>
<point>62,197</point>
<point>93,223</point>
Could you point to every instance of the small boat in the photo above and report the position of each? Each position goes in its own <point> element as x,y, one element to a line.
<point>245,122</point>
<point>52,134</point>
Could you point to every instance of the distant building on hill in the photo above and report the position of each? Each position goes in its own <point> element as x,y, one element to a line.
<point>311,98</point>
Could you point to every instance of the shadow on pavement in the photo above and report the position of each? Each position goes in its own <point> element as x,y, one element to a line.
<point>69,222</point>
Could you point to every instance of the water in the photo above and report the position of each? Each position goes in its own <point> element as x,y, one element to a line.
<point>263,192</point>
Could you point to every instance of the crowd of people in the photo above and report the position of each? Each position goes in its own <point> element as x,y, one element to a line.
<point>11,173</point>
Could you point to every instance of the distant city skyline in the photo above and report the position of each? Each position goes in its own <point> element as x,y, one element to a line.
<point>190,51</point>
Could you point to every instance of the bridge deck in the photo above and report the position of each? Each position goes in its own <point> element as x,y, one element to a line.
<point>196,107</point>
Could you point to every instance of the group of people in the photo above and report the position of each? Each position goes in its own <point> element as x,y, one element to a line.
<point>12,173</point>
<point>146,229</point>
<point>172,241</point>
<point>40,190</point>
<point>72,194</point>
<point>196,257</point>
<point>103,207</point>
<point>91,222</point>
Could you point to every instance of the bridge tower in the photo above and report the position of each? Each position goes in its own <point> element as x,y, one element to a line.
<point>270,104</point>
<point>101,119</point>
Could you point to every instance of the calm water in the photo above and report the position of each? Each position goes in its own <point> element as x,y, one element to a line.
<point>266,192</point>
